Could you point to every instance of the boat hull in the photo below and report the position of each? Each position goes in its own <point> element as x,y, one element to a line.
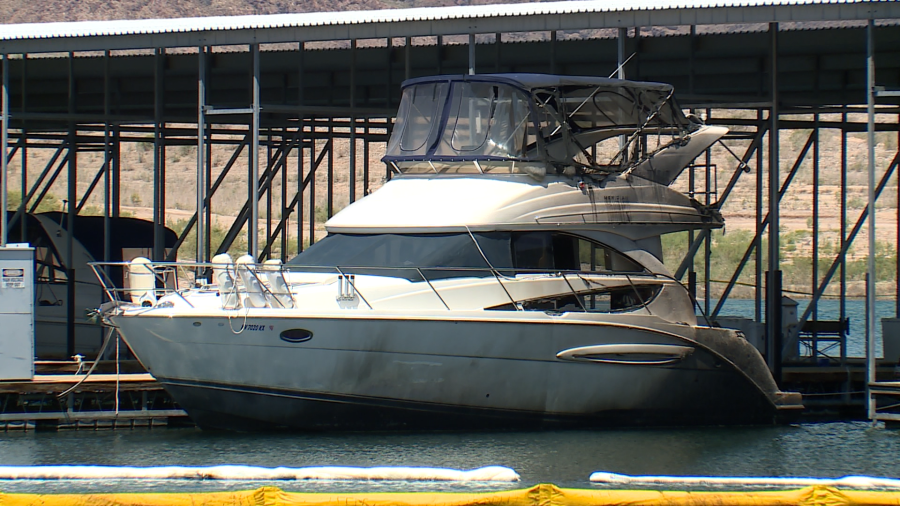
<point>413,372</point>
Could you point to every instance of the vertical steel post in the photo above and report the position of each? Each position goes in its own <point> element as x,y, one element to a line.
<point>367,128</point>
<point>206,190</point>
<point>300,121</point>
<point>707,287</point>
<point>871,278</point>
<point>70,213</point>
<point>760,182</point>
<point>843,287</point>
<point>115,184</point>
<point>389,65</point>
<point>201,152</point>
<point>815,224</point>
<point>158,153</point>
<point>620,73</point>
<point>439,47</point>
<point>271,165</point>
<point>330,173</point>
<point>693,44</point>
<point>285,211</point>
<point>620,53</point>
<point>23,150</point>
<point>352,121</point>
<point>407,57</point>
<point>107,162</point>
<point>471,54</point>
<point>552,51</point>
<point>4,147</point>
<point>390,90</point>
<point>312,183</point>
<point>253,239</point>
<point>497,51</point>
<point>692,274</point>
<point>773,284</point>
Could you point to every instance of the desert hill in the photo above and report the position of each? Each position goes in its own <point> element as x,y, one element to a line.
<point>44,11</point>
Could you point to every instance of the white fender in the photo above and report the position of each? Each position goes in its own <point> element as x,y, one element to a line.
<point>142,282</point>
<point>224,279</point>
<point>245,269</point>
<point>277,285</point>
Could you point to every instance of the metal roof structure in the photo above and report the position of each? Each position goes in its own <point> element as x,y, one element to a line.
<point>70,89</point>
<point>317,26</point>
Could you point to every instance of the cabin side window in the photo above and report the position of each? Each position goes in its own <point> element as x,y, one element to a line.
<point>560,251</point>
<point>603,300</point>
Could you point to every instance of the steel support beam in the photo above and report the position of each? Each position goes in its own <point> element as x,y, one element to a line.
<point>201,154</point>
<point>275,164</point>
<point>90,189</point>
<point>159,153</point>
<point>352,174</point>
<point>4,147</point>
<point>773,279</point>
<point>754,244</point>
<point>871,278</point>
<point>23,139</point>
<point>107,163</point>
<point>298,197</point>
<point>170,257</point>
<point>845,247</point>
<point>70,215</point>
<point>40,180</point>
<point>687,261</point>
<point>253,197</point>
<point>471,54</point>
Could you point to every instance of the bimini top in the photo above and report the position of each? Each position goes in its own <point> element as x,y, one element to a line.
<point>532,123</point>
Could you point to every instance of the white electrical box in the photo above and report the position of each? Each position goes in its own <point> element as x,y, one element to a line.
<point>17,312</point>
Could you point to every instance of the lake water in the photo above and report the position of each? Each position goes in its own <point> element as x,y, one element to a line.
<point>565,458</point>
<point>828,310</point>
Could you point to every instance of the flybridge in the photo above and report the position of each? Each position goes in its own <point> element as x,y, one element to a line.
<point>541,124</point>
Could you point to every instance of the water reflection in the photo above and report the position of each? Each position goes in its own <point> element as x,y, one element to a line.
<point>565,458</point>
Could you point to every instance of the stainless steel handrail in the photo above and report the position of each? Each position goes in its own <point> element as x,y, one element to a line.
<point>157,267</point>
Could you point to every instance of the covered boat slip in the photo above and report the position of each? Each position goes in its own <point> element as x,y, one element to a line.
<point>283,96</point>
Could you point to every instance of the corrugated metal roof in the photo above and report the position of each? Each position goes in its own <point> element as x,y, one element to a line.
<point>261,22</point>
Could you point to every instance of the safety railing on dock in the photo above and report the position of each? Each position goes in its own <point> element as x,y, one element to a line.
<point>886,398</point>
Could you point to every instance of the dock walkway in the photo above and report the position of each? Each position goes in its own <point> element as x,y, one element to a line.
<point>100,400</point>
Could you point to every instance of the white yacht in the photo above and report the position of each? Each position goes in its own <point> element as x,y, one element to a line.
<point>508,275</point>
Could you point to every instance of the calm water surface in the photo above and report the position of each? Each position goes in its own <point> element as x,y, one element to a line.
<point>565,458</point>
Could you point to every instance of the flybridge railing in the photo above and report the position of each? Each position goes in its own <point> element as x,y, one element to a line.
<point>271,283</point>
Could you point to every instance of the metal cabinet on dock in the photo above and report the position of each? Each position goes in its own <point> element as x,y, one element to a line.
<point>16,312</point>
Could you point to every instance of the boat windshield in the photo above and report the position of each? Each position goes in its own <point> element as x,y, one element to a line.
<point>485,125</point>
<point>531,124</point>
<point>456,255</point>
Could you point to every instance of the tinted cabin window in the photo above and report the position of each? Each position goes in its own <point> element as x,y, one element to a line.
<point>450,255</point>
<point>559,251</point>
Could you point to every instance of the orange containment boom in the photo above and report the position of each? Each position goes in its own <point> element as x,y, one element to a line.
<point>539,495</point>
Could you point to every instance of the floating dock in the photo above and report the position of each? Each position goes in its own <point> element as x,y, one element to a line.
<point>100,400</point>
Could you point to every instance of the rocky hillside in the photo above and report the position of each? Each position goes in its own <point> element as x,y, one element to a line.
<point>25,11</point>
